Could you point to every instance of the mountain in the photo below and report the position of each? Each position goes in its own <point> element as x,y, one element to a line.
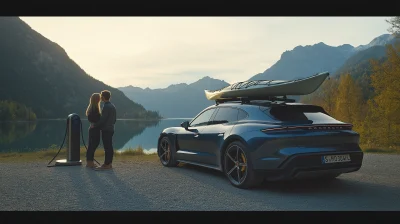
<point>39,74</point>
<point>187,100</point>
<point>176,101</point>
<point>308,60</point>
<point>382,40</point>
<point>359,63</point>
<point>359,66</point>
<point>304,61</point>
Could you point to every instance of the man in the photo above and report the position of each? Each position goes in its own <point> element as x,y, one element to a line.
<point>106,124</point>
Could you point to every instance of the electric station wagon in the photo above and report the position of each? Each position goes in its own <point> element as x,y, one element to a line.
<point>252,141</point>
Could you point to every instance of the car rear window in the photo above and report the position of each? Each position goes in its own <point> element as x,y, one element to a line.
<point>297,113</point>
<point>242,115</point>
<point>226,115</point>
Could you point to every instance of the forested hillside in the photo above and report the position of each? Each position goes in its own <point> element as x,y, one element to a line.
<point>12,111</point>
<point>370,101</point>
<point>39,74</point>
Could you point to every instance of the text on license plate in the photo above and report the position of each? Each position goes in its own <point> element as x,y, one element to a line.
<point>336,158</point>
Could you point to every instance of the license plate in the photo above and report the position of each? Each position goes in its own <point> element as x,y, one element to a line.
<point>336,159</point>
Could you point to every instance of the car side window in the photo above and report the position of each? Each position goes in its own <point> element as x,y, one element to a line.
<point>203,118</point>
<point>226,115</point>
<point>242,115</point>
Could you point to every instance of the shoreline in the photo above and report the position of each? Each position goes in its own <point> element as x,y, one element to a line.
<point>47,154</point>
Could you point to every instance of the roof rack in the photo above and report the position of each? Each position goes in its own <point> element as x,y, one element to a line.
<point>245,100</point>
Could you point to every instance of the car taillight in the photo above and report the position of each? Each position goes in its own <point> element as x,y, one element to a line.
<point>325,127</point>
<point>274,129</point>
<point>311,127</point>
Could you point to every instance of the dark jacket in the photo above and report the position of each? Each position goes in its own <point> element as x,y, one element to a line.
<point>93,115</point>
<point>108,117</point>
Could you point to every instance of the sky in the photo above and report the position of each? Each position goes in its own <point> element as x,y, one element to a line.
<point>156,52</point>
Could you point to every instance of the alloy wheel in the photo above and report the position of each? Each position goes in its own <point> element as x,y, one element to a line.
<point>165,152</point>
<point>236,164</point>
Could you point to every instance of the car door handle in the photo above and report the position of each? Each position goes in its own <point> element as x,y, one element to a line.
<point>196,135</point>
<point>221,134</point>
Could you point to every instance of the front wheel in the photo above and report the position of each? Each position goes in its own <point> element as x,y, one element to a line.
<point>166,153</point>
<point>238,168</point>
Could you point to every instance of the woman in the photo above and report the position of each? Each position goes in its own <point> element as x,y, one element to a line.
<point>93,114</point>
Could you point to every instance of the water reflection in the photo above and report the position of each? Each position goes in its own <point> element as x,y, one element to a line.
<point>34,136</point>
<point>148,138</point>
<point>12,131</point>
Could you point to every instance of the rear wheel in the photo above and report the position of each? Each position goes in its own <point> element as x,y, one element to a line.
<point>166,153</point>
<point>238,168</point>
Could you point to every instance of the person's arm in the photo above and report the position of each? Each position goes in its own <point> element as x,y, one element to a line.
<point>104,115</point>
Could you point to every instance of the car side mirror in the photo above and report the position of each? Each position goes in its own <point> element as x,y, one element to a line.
<point>185,124</point>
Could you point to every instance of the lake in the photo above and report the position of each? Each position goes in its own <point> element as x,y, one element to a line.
<point>39,135</point>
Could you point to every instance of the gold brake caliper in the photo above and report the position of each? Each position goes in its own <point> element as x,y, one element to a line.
<point>244,161</point>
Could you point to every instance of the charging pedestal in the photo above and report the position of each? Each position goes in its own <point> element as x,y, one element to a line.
<point>73,142</point>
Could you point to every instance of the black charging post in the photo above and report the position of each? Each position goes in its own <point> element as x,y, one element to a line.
<point>73,142</point>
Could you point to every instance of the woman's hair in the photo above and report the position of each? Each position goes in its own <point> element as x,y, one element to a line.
<point>94,103</point>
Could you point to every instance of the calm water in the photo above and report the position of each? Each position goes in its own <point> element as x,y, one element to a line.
<point>34,136</point>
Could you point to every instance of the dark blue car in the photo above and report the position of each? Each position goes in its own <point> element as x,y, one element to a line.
<point>252,141</point>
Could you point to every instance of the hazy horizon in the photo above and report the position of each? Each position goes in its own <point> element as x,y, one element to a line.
<point>156,52</point>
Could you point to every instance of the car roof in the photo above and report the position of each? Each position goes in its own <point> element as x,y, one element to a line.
<point>254,107</point>
<point>254,103</point>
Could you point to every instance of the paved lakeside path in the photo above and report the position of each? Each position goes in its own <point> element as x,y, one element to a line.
<point>139,185</point>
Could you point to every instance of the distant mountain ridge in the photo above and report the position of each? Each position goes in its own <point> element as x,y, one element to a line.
<point>304,61</point>
<point>38,73</point>
<point>177,100</point>
<point>382,40</point>
<point>358,63</point>
<point>183,100</point>
<point>361,59</point>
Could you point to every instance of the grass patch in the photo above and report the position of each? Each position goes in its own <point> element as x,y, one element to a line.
<point>49,153</point>
<point>382,150</point>
<point>139,151</point>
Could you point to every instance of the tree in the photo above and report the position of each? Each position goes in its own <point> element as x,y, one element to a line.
<point>384,108</point>
<point>324,96</point>
<point>328,95</point>
<point>12,111</point>
<point>349,101</point>
<point>394,25</point>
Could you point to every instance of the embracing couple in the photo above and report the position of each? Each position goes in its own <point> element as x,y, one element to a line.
<point>101,124</point>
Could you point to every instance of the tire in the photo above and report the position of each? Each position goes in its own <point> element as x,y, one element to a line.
<point>242,167</point>
<point>166,152</point>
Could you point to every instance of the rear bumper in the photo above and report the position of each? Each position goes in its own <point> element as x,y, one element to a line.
<point>310,165</point>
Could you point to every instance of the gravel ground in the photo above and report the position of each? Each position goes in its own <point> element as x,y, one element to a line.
<point>147,185</point>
